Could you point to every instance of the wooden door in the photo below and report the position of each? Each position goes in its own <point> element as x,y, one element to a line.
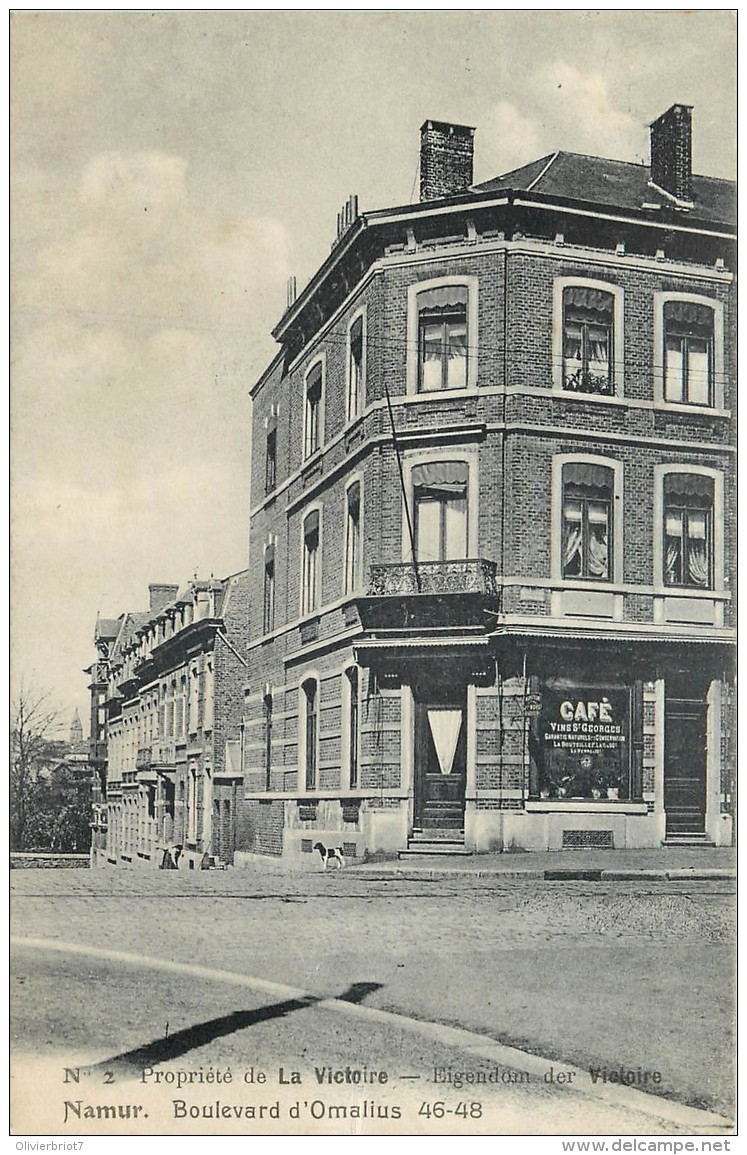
<point>685,766</point>
<point>440,760</point>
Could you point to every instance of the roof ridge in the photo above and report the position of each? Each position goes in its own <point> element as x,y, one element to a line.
<point>540,175</point>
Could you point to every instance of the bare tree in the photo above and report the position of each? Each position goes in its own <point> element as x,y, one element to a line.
<point>33,722</point>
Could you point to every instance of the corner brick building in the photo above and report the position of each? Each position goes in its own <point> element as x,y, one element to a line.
<point>166,697</point>
<point>493,513</point>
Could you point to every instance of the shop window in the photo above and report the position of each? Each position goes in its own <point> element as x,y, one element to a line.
<point>310,698</point>
<point>355,369</point>
<point>688,352</point>
<point>351,698</point>
<point>352,536</point>
<point>312,410</point>
<point>442,338</point>
<point>582,745</point>
<point>588,332</point>
<point>268,600</point>
<point>587,521</point>
<point>688,530</point>
<point>310,569</point>
<point>440,513</point>
<point>267,704</point>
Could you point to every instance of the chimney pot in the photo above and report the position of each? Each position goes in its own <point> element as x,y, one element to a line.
<point>671,152</point>
<point>446,159</point>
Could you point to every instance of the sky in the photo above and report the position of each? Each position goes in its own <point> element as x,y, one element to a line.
<point>170,171</point>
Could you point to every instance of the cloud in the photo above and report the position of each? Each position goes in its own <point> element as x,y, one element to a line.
<point>139,179</point>
<point>564,107</point>
<point>582,112</point>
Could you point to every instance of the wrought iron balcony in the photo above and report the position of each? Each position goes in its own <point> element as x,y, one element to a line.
<point>460,594</point>
<point>463,576</point>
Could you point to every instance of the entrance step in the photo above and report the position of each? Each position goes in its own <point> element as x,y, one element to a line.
<point>437,834</point>
<point>440,848</point>
<point>695,840</point>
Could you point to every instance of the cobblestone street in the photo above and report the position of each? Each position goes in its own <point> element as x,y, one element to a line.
<point>639,975</point>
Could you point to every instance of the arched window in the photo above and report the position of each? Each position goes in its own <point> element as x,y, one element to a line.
<point>310,698</point>
<point>688,352</point>
<point>268,601</point>
<point>310,568</point>
<point>688,530</point>
<point>587,521</point>
<point>352,536</point>
<point>588,329</point>
<point>313,410</point>
<point>351,700</point>
<point>356,356</point>
<point>442,338</point>
<point>267,709</point>
<point>440,510</point>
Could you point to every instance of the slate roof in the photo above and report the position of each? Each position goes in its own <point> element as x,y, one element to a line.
<point>618,183</point>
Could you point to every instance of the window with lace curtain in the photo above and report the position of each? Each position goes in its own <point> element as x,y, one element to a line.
<point>440,510</point>
<point>442,338</point>
<point>688,538</point>
<point>587,521</point>
<point>588,332</point>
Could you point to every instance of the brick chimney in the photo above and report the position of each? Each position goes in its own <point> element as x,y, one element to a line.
<point>671,152</point>
<point>446,156</point>
<point>161,595</point>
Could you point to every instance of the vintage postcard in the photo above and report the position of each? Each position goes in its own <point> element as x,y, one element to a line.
<point>373,756</point>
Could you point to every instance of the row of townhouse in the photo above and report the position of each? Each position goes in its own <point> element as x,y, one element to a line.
<point>492,521</point>
<point>166,694</point>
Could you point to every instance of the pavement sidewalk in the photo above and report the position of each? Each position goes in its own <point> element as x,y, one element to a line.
<point>668,863</point>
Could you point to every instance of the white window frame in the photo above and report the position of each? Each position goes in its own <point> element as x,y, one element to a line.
<point>319,361</point>
<point>560,284</point>
<point>660,300</point>
<point>413,332</point>
<point>309,676</point>
<point>352,587</point>
<point>359,315</point>
<point>717,522</point>
<point>617,519</point>
<point>306,610</point>
<point>470,458</point>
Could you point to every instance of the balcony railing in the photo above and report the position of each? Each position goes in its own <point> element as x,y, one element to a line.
<point>463,576</point>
